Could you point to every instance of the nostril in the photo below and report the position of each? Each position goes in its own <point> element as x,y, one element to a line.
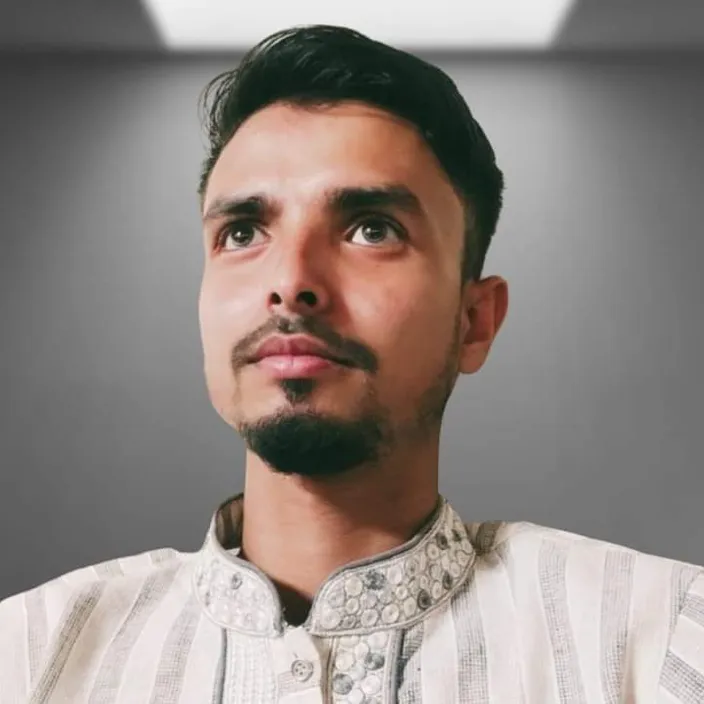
<point>308,297</point>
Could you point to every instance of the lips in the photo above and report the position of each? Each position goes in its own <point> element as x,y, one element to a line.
<point>296,347</point>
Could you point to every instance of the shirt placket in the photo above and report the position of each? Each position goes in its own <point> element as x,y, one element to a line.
<point>299,661</point>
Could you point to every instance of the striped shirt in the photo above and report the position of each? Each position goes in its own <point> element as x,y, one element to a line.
<point>462,613</point>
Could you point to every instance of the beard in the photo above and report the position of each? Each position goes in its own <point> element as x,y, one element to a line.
<point>311,444</point>
<point>306,443</point>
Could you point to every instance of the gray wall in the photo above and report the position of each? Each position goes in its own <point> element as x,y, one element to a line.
<point>586,417</point>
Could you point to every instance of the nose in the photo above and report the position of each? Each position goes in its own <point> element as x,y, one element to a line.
<point>297,300</point>
<point>299,287</point>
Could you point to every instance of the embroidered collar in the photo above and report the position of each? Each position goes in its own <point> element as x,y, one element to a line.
<point>391,590</point>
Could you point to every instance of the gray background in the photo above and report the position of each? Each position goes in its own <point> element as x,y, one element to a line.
<point>587,416</point>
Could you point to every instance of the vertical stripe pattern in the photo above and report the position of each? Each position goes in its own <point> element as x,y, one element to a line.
<point>615,607</point>
<point>107,683</point>
<point>682,576</point>
<point>74,619</point>
<point>174,655</point>
<point>408,684</point>
<point>682,674</point>
<point>438,658</point>
<point>551,566</point>
<point>36,630</point>
<point>471,648</point>
<point>543,617</point>
<point>245,679</point>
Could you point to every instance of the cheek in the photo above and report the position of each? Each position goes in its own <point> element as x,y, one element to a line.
<point>412,339</point>
<point>218,335</point>
<point>211,319</point>
<point>226,313</point>
<point>222,325</point>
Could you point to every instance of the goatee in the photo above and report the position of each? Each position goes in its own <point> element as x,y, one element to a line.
<point>313,445</point>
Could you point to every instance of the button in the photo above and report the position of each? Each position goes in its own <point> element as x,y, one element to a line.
<point>302,669</point>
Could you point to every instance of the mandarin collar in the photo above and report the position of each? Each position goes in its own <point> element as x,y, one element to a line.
<point>393,589</point>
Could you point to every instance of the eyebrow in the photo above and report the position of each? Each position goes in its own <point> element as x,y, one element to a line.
<point>340,201</point>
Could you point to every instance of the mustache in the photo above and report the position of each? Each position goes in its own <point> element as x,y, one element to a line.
<point>358,354</point>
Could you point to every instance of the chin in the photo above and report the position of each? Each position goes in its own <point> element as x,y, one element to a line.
<point>309,442</point>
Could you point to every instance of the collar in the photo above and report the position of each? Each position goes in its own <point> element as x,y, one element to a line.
<point>393,589</point>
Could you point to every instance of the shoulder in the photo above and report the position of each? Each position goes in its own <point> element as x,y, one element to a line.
<point>682,674</point>
<point>592,562</point>
<point>53,595</point>
<point>605,597</point>
<point>113,572</point>
<point>29,619</point>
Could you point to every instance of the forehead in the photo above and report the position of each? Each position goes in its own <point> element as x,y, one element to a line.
<point>294,152</point>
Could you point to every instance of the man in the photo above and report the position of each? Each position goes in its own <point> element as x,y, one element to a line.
<point>348,202</point>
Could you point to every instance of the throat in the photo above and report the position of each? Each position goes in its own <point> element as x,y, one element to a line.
<point>296,606</point>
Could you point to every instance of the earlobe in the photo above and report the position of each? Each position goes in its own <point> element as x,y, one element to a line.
<point>473,355</point>
<point>485,309</point>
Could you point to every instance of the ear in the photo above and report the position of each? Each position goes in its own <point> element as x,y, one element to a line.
<point>484,306</point>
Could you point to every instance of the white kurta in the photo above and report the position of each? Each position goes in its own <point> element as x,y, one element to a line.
<point>469,613</point>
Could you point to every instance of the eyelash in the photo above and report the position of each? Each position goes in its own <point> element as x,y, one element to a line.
<point>227,229</point>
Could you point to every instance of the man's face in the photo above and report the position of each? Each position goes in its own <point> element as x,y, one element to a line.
<point>377,283</point>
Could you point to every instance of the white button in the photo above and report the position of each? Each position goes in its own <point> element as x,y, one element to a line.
<point>302,669</point>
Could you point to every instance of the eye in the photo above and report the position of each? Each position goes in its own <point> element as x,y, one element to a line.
<point>377,231</point>
<point>241,232</point>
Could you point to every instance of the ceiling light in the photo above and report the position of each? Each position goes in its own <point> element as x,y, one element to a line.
<point>224,25</point>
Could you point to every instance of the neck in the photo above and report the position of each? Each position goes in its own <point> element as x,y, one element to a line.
<point>299,530</point>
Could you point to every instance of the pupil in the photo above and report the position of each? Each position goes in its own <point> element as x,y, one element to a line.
<point>239,237</point>
<point>374,229</point>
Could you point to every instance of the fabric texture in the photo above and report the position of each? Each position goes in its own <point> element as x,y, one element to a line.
<point>462,613</point>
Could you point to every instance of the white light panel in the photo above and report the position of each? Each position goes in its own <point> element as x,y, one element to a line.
<point>228,25</point>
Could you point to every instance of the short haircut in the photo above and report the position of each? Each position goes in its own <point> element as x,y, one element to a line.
<point>323,65</point>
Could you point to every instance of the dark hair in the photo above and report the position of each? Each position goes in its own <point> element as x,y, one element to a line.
<point>323,65</point>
